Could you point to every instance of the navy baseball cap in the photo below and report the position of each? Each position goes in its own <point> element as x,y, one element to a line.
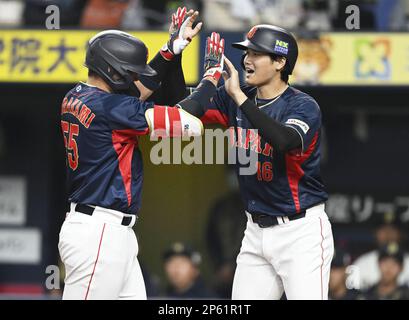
<point>391,250</point>
<point>386,218</point>
<point>182,249</point>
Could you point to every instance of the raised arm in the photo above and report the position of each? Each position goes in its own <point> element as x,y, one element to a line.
<point>183,119</point>
<point>181,34</point>
<point>196,103</point>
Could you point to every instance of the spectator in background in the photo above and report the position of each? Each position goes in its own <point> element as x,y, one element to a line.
<point>145,14</point>
<point>224,232</point>
<point>134,16</point>
<point>392,15</point>
<point>388,229</point>
<point>390,266</point>
<point>182,268</point>
<point>238,15</point>
<point>70,12</point>
<point>103,14</point>
<point>287,14</point>
<point>318,14</point>
<point>228,15</point>
<point>153,14</point>
<point>338,289</point>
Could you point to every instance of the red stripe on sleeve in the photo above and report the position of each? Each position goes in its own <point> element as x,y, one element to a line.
<point>159,120</point>
<point>124,143</point>
<point>167,55</point>
<point>295,172</point>
<point>215,116</point>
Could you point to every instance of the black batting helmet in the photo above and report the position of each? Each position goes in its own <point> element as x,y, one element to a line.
<point>273,40</point>
<point>114,55</point>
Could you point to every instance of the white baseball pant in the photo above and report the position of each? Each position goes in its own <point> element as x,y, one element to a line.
<point>100,257</point>
<point>293,256</point>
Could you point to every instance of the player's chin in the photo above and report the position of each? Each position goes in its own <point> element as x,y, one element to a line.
<point>250,81</point>
<point>254,79</point>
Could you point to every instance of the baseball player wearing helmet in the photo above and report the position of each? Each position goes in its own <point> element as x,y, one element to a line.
<point>101,121</point>
<point>288,243</point>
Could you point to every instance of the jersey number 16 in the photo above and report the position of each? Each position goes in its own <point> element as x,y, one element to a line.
<point>264,171</point>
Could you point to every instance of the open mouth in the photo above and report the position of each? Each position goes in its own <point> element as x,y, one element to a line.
<point>249,71</point>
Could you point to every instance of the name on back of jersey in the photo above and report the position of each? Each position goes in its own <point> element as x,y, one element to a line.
<point>79,110</point>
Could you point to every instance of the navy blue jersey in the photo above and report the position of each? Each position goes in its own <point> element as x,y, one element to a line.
<point>285,184</point>
<point>104,164</point>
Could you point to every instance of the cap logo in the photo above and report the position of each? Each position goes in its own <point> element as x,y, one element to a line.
<point>389,217</point>
<point>392,248</point>
<point>281,47</point>
<point>251,33</point>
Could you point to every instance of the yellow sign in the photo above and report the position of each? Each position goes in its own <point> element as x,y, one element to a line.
<point>58,56</point>
<point>353,59</point>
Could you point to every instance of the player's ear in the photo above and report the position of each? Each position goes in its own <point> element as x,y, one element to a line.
<point>280,63</point>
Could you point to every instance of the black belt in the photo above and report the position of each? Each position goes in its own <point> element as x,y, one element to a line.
<point>265,220</point>
<point>83,208</point>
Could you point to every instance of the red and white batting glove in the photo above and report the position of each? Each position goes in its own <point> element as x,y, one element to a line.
<point>214,56</point>
<point>176,43</point>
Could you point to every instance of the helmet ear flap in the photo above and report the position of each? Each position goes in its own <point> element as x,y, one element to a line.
<point>242,61</point>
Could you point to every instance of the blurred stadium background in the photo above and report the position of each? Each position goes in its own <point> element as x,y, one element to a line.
<point>359,77</point>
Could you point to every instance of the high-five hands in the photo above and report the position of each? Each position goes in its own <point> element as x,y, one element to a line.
<point>232,83</point>
<point>214,56</point>
<point>181,32</point>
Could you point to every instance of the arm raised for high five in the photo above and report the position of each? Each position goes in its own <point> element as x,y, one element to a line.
<point>213,68</point>
<point>181,33</point>
<point>186,112</point>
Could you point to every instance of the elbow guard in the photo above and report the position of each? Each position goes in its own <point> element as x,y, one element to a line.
<point>169,122</point>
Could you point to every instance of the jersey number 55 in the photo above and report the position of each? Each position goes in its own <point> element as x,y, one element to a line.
<point>70,131</point>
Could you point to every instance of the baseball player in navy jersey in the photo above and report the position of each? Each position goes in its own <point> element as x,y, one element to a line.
<point>288,244</point>
<point>101,121</point>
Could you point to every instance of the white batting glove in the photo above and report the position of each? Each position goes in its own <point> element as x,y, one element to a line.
<point>177,41</point>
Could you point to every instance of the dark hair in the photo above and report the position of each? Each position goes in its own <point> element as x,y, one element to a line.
<point>284,74</point>
<point>92,73</point>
